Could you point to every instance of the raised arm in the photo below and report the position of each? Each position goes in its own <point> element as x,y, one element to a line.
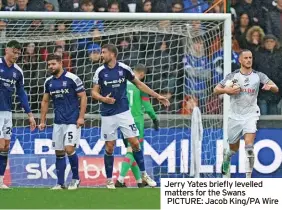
<point>143,87</point>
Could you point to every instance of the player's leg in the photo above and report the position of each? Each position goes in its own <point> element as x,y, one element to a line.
<point>71,138</point>
<point>127,163</point>
<point>5,136</point>
<point>249,132</point>
<point>109,125</point>
<point>58,146</point>
<point>130,132</point>
<point>234,133</point>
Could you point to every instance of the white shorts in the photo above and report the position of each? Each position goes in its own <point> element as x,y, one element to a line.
<point>6,125</point>
<point>238,128</point>
<point>124,121</point>
<point>65,135</point>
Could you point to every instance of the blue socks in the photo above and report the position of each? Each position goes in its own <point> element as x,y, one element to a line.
<point>73,159</point>
<point>3,162</point>
<point>109,164</point>
<point>60,169</point>
<point>139,157</point>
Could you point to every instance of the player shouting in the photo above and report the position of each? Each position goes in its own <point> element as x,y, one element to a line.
<point>11,78</point>
<point>244,111</point>
<point>138,102</point>
<point>110,88</point>
<point>65,89</point>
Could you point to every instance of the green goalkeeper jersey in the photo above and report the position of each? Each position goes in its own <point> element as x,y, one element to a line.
<point>139,102</point>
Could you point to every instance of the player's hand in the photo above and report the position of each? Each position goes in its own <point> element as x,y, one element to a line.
<point>266,87</point>
<point>32,123</point>
<point>108,99</point>
<point>163,100</point>
<point>156,124</point>
<point>233,90</point>
<point>79,122</point>
<point>41,126</point>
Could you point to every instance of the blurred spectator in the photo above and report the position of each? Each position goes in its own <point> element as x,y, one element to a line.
<point>197,71</point>
<point>11,5</point>
<point>147,6</point>
<point>253,10</point>
<point>195,6</point>
<point>80,26</point>
<point>51,5</point>
<point>218,6</point>
<point>114,7</point>
<point>273,21</point>
<point>268,60</point>
<point>66,58</point>
<point>241,30</point>
<point>177,6</point>
<point>254,38</point>
<point>235,44</point>
<point>66,5</point>
<point>22,5</point>
<point>101,5</point>
<point>174,104</point>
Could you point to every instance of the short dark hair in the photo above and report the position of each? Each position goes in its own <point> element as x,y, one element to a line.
<point>244,50</point>
<point>140,68</point>
<point>14,44</point>
<point>58,47</point>
<point>54,57</point>
<point>86,2</point>
<point>112,48</point>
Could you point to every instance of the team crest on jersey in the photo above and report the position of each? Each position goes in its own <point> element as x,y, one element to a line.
<point>106,75</point>
<point>14,74</point>
<point>120,73</point>
<point>1,70</point>
<point>105,136</point>
<point>50,85</point>
<point>247,80</point>
<point>64,83</point>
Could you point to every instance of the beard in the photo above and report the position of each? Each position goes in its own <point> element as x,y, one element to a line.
<point>55,72</point>
<point>106,61</point>
<point>247,66</point>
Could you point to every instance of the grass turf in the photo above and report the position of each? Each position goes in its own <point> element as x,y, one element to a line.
<point>84,198</point>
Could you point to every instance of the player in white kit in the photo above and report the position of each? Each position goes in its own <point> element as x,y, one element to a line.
<point>11,79</point>
<point>243,86</point>
<point>65,89</point>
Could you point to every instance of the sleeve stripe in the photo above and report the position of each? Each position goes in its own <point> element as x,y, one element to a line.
<point>145,98</point>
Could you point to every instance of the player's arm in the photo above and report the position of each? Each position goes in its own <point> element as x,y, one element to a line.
<point>24,101</point>
<point>270,85</point>
<point>221,88</point>
<point>149,109</point>
<point>44,110</point>
<point>80,92</point>
<point>144,88</point>
<point>44,106</point>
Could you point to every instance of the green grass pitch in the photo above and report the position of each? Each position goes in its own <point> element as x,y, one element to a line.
<point>83,198</point>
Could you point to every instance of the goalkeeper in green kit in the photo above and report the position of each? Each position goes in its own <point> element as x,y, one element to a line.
<point>139,103</point>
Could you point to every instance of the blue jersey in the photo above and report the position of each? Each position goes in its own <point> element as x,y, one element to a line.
<point>114,81</point>
<point>11,78</point>
<point>63,91</point>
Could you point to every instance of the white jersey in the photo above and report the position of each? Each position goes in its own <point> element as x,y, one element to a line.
<point>244,105</point>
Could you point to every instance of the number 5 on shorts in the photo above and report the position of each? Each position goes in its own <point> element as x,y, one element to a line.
<point>70,136</point>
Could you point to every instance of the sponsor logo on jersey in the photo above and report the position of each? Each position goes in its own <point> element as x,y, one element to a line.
<point>11,82</point>
<point>61,91</point>
<point>114,82</point>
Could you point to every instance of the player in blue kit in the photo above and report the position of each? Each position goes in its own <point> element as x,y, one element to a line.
<point>110,88</point>
<point>65,89</point>
<point>11,78</point>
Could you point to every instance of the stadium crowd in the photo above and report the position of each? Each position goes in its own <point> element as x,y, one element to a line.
<point>184,69</point>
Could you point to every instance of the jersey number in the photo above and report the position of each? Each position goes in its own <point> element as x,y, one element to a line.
<point>70,136</point>
<point>130,97</point>
<point>8,132</point>
<point>133,127</point>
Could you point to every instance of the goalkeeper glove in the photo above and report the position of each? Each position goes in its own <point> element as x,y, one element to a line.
<point>156,124</point>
